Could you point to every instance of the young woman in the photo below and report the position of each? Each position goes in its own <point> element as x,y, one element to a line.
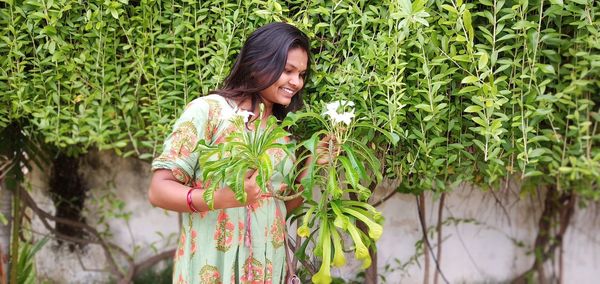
<point>234,243</point>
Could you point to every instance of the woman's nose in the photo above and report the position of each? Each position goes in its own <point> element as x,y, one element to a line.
<point>295,81</point>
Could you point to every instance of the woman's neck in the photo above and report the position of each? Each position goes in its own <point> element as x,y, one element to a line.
<point>247,105</point>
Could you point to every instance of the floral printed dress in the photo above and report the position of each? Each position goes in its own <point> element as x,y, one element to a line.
<point>234,245</point>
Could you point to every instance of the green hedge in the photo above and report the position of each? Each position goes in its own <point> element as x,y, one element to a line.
<point>474,91</point>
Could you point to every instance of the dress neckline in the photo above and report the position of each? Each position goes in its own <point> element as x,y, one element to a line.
<point>232,104</point>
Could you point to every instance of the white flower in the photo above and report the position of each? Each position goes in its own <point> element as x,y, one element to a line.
<point>245,114</point>
<point>233,114</point>
<point>337,117</point>
<point>335,105</point>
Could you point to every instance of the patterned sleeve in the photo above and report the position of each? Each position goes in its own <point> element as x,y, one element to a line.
<point>178,155</point>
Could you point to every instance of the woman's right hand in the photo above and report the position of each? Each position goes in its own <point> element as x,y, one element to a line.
<point>324,152</point>
<point>253,191</point>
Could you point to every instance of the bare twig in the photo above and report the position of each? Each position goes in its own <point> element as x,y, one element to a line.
<point>5,167</point>
<point>463,244</point>
<point>388,196</point>
<point>87,268</point>
<point>499,203</point>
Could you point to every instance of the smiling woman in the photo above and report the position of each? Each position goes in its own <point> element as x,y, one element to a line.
<point>271,68</point>
<point>228,241</point>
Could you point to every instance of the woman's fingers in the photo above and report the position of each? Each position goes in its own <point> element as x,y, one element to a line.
<point>326,140</point>
<point>327,149</point>
<point>252,189</point>
<point>251,174</point>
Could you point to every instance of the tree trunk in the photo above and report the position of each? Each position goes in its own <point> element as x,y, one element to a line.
<point>6,211</point>
<point>421,209</point>
<point>439,238</point>
<point>14,242</point>
<point>559,207</point>
<point>371,273</point>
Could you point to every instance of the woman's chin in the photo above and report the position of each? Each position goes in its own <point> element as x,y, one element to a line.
<point>284,101</point>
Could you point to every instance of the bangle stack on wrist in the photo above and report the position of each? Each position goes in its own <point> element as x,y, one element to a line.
<point>189,200</point>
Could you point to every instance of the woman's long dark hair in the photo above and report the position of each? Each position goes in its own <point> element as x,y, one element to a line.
<point>260,64</point>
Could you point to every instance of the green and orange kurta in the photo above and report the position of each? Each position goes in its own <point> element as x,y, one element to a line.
<point>234,245</point>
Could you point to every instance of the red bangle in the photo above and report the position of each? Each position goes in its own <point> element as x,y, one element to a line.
<point>189,200</point>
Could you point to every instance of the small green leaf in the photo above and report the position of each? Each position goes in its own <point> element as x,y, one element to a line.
<point>351,174</point>
<point>356,164</point>
<point>114,13</point>
<point>473,108</point>
<point>483,60</point>
<point>468,24</point>
<point>547,68</point>
<point>469,80</point>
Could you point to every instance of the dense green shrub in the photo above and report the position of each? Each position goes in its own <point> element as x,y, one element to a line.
<point>475,91</point>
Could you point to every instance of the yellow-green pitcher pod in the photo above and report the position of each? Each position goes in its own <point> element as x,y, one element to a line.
<point>304,230</point>
<point>339,259</point>
<point>378,217</point>
<point>375,229</point>
<point>341,221</point>
<point>323,276</point>
<point>361,252</point>
<point>353,203</point>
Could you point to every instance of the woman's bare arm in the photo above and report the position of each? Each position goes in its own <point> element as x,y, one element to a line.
<point>168,193</point>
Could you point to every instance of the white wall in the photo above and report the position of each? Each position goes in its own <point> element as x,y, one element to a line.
<point>485,243</point>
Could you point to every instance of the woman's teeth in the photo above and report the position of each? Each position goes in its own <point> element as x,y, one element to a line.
<point>289,91</point>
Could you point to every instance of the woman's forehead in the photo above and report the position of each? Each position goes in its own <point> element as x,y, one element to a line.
<point>297,58</point>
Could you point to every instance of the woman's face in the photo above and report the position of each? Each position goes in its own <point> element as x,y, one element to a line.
<point>290,81</point>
